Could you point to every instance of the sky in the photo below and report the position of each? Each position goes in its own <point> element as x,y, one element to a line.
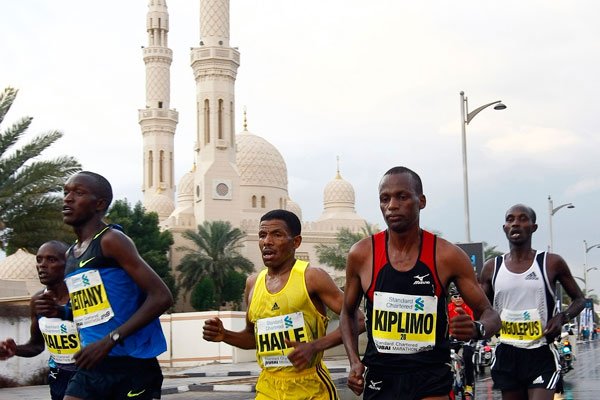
<point>374,83</point>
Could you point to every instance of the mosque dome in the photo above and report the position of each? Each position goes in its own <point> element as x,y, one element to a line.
<point>185,190</point>
<point>160,204</point>
<point>338,192</point>
<point>338,207</point>
<point>259,162</point>
<point>19,266</point>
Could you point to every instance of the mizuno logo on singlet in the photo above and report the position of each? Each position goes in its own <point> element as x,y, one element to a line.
<point>419,280</point>
<point>531,277</point>
<point>275,307</point>
<point>83,263</point>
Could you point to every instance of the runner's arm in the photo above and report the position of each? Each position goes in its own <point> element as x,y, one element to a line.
<point>559,267</point>
<point>351,324</point>
<point>460,270</point>
<point>485,279</point>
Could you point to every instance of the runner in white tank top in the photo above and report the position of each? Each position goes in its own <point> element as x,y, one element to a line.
<point>521,286</point>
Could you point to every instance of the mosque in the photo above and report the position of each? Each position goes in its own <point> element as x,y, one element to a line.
<point>235,177</point>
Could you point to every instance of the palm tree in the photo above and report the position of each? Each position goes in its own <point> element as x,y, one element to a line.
<point>30,204</point>
<point>490,251</point>
<point>214,256</point>
<point>335,256</point>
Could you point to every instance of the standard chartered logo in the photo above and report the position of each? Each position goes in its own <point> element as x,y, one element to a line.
<point>419,304</point>
<point>85,280</point>
<point>526,316</point>
<point>63,328</point>
<point>288,321</point>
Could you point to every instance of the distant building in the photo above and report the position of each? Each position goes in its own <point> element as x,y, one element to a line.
<point>18,275</point>
<point>235,178</point>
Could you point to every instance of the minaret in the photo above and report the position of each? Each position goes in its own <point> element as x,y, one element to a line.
<point>215,64</point>
<point>157,120</point>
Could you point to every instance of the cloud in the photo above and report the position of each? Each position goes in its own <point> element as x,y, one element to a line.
<point>584,186</point>
<point>534,142</point>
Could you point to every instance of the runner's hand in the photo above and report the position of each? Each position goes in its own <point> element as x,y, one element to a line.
<point>45,305</point>
<point>302,354</point>
<point>89,356</point>
<point>8,348</point>
<point>553,327</point>
<point>356,381</point>
<point>462,326</point>
<point>213,330</point>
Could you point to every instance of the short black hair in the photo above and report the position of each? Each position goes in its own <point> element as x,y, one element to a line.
<point>418,185</point>
<point>291,220</point>
<point>527,209</point>
<point>59,245</point>
<point>102,186</point>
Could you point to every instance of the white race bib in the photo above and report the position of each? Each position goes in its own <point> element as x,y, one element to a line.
<point>521,328</point>
<point>402,323</point>
<point>88,299</point>
<point>271,334</point>
<point>61,337</point>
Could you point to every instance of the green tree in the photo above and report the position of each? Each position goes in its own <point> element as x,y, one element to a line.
<point>214,255</point>
<point>30,188</point>
<point>233,288</point>
<point>152,244</point>
<point>203,295</point>
<point>335,255</point>
<point>490,251</point>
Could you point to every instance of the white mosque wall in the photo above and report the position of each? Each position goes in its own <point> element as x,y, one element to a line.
<point>20,369</point>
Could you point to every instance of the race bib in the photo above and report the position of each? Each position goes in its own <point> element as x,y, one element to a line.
<point>403,324</point>
<point>62,340</point>
<point>271,334</point>
<point>521,327</point>
<point>88,299</point>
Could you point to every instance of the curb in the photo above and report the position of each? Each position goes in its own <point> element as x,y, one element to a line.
<point>212,374</point>
<point>334,370</point>
<point>224,387</point>
<point>208,388</point>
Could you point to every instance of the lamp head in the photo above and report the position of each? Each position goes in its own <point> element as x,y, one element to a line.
<point>500,106</point>
<point>570,206</point>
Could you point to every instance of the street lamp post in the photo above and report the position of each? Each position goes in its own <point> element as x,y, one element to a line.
<point>585,268</point>
<point>466,117</point>
<point>551,211</point>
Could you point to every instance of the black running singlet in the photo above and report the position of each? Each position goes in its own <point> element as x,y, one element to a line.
<point>406,320</point>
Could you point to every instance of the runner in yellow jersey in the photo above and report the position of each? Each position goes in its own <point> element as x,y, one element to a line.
<point>286,320</point>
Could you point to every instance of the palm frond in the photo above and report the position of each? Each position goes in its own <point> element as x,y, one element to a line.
<point>7,98</point>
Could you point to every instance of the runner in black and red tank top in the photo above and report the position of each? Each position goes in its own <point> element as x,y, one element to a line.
<point>419,333</point>
<point>404,273</point>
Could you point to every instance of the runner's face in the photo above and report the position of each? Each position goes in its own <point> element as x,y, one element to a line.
<point>50,264</point>
<point>80,203</point>
<point>399,202</point>
<point>276,243</point>
<point>518,226</point>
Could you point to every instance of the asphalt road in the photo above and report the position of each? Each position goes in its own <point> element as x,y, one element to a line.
<point>582,383</point>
